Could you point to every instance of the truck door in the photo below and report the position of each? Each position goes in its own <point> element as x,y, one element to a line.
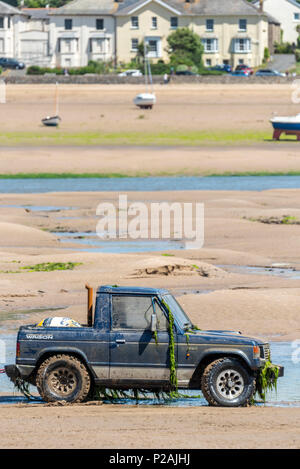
<point>135,356</point>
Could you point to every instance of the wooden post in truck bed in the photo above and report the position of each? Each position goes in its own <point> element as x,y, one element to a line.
<point>89,305</point>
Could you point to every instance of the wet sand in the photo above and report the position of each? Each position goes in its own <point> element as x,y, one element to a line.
<point>118,426</point>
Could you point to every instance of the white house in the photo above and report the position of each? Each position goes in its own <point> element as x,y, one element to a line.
<point>10,25</point>
<point>287,12</point>
<point>82,30</point>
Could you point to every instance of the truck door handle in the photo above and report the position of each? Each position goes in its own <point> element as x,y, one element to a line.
<point>120,341</point>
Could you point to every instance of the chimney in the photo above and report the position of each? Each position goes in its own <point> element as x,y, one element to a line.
<point>261,6</point>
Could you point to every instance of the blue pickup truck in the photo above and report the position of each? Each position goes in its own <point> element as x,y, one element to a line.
<point>126,344</point>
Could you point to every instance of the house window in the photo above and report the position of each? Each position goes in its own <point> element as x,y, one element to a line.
<point>134,22</point>
<point>134,44</point>
<point>1,45</point>
<point>68,24</point>
<point>210,45</point>
<point>8,22</point>
<point>1,22</point>
<point>174,22</point>
<point>68,45</point>
<point>242,25</point>
<point>296,16</point>
<point>97,46</point>
<point>209,25</point>
<point>154,22</point>
<point>208,62</point>
<point>242,45</point>
<point>99,23</point>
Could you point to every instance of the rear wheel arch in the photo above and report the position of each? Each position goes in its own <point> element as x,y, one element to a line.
<point>50,353</point>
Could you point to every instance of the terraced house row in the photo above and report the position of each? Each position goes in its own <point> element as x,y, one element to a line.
<point>232,31</point>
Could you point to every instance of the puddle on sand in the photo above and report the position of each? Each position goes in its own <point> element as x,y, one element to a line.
<point>90,242</point>
<point>11,316</point>
<point>288,392</point>
<point>277,271</point>
<point>39,208</point>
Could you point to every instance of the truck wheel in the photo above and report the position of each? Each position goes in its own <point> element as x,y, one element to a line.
<point>63,378</point>
<point>226,382</point>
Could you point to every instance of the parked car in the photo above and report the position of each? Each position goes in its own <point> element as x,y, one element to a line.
<point>131,73</point>
<point>240,73</point>
<point>222,68</point>
<point>185,72</point>
<point>244,67</point>
<point>14,64</point>
<point>266,72</point>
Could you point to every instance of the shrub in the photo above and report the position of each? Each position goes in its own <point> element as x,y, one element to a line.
<point>297,55</point>
<point>284,48</point>
<point>181,68</point>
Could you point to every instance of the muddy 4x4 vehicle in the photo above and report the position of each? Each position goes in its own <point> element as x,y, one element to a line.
<point>140,338</point>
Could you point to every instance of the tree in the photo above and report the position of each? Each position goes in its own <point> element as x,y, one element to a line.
<point>185,47</point>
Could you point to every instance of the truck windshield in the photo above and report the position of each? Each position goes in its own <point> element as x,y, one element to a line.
<point>176,309</point>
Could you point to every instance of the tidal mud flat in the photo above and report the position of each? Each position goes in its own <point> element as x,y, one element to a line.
<point>238,281</point>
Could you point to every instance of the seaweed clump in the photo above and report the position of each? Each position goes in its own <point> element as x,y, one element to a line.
<point>266,380</point>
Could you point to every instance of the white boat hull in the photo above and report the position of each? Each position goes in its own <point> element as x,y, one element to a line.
<point>51,121</point>
<point>145,100</point>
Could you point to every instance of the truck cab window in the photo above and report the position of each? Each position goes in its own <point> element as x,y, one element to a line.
<point>134,312</point>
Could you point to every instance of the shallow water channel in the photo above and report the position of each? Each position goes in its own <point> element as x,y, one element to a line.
<point>158,183</point>
<point>288,392</point>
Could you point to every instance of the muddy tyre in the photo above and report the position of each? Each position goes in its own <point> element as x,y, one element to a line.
<point>63,378</point>
<point>227,383</point>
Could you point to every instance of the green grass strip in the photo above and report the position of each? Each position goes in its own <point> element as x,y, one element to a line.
<point>189,138</point>
<point>146,174</point>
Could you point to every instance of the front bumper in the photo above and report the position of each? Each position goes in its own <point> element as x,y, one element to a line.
<point>280,371</point>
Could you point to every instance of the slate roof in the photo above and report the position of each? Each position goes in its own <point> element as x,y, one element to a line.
<point>38,13</point>
<point>6,9</point>
<point>87,7</point>
<point>194,7</point>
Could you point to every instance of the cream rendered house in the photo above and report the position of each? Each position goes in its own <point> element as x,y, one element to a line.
<point>232,31</point>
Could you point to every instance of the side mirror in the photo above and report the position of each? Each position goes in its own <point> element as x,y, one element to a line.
<point>153,322</point>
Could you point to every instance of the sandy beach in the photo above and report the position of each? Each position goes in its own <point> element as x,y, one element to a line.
<point>242,232</point>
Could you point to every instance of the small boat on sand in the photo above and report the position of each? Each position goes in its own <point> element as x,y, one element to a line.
<point>53,121</point>
<point>148,99</point>
<point>145,100</point>
<point>286,125</point>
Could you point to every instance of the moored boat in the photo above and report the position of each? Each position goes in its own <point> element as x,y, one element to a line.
<point>145,100</point>
<point>148,99</point>
<point>287,125</point>
<point>51,121</point>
